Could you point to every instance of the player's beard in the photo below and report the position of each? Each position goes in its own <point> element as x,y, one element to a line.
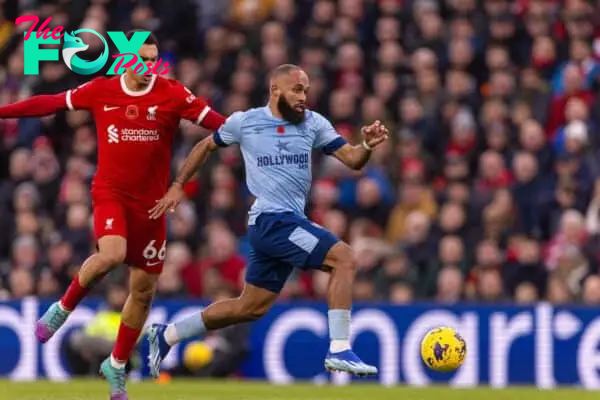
<point>288,113</point>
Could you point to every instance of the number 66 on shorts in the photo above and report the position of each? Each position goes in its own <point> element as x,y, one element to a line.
<point>146,238</point>
<point>149,254</point>
<point>153,256</point>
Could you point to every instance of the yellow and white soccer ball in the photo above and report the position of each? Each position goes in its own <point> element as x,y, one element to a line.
<point>443,349</point>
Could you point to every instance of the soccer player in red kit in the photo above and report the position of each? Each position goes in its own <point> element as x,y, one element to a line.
<point>136,119</point>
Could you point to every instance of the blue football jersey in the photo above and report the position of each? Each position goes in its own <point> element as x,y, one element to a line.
<point>277,156</point>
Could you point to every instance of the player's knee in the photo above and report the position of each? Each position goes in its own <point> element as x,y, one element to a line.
<point>112,251</point>
<point>143,295</point>
<point>113,257</point>
<point>341,257</point>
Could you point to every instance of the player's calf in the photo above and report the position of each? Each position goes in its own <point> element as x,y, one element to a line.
<point>341,263</point>
<point>111,252</point>
<point>340,260</point>
<point>142,287</point>
<point>250,306</point>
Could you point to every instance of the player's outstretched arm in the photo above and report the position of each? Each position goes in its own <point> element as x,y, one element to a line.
<point>197,157</point>
<point>227,134</point>
<point>357,156</point>
<point>36,106</point>
<point>82,97</point>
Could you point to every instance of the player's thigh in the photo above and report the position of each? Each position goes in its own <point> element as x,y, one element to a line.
<point>110,230</point>
<point>147,243</point>
<point>265,272</point>
<point>294,240</point>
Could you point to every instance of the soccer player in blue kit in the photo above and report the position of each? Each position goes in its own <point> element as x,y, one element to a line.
<point>276,143</point>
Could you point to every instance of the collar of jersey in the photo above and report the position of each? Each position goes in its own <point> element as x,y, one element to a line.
<point>136,93</point>
<point>267,111</point>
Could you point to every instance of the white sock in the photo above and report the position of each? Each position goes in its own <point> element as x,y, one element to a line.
<point>171,336</point>
<point>339,330</point>
<point>337,346</point>
<point>116,363</point>
<point>189,327</point>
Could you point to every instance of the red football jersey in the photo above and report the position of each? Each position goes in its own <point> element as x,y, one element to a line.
<point>135,131</point>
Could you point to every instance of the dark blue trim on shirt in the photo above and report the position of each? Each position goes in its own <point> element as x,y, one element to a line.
<point>334,145</point>
<point>218,140</point>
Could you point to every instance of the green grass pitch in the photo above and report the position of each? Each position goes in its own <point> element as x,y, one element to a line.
<point>236,390</point>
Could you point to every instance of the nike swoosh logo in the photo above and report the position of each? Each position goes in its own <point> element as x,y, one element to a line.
<point>151,264</point>
<point>107,108</point>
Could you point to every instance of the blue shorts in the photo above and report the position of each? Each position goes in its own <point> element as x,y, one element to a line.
<point>280,242</point>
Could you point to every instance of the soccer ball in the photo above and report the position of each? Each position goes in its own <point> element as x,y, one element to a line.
<point>443,349</point>
<point>197,355</point>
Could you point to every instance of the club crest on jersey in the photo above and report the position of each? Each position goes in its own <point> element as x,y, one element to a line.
<point>132,111</point>
<point>151,114</point>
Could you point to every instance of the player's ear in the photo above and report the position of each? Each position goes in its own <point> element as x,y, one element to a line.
<point>275,90</point>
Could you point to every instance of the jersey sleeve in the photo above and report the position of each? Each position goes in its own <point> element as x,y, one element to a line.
<point>192,108</point>
<point>84,96</point>
<point>326,138</point>
<point>231,131</point>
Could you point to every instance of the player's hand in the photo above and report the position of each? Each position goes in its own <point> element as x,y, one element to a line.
<point>375,134</point>
<point>168,202</point>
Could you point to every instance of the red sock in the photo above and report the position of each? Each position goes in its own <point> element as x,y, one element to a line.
<point>75,293</point>
<point>126,341</point>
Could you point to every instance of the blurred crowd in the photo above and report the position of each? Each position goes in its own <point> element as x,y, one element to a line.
<point>489,190</point>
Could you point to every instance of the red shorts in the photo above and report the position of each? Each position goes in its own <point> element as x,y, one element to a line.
<point>146,238</point>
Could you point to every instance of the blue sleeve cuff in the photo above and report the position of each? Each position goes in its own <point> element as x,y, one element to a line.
<point>334,145</point>
<point>218,140</point>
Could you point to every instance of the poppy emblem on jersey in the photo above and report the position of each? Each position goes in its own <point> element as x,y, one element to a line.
<point>132,111</point>
<point>281,129</point>
<point>151,115</point>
